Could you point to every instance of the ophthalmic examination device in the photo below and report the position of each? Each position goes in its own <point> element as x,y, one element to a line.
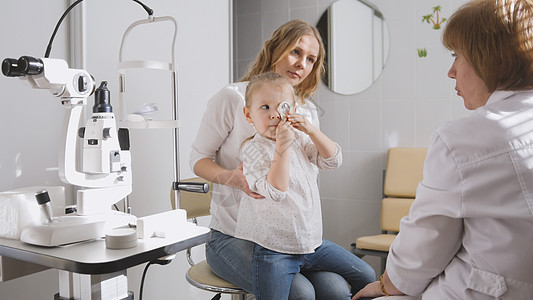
<point>104,174</point>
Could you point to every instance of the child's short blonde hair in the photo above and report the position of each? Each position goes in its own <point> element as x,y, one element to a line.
<point>269,78</point>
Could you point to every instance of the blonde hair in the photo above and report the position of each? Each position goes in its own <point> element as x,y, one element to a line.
<point>266,79</point>
<point>496,38</point>
<point>281,43</point>
<point>270,78</point>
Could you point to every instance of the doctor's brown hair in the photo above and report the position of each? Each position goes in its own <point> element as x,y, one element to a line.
<point>284,40</point>
<point>496,38</point>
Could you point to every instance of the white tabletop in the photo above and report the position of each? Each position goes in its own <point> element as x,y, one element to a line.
<point>93,257</point>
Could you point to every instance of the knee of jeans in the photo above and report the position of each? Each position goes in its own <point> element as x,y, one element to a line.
<point>303,294</point>
<point>331,286</point>
<point>301,288</point>
<point>342,292</point>
<point>370,274</point>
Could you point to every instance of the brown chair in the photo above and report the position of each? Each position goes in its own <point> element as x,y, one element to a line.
<point>200,274</point>
<point>401,177</point>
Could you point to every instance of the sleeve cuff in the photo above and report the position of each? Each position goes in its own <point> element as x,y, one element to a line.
<point>332,162</point>
<point>266,189</point>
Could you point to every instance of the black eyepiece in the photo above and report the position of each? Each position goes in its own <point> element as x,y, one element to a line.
<point>30,65</point>
<point>10,67</point>
<point>25,65</point>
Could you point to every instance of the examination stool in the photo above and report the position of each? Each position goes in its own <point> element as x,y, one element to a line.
<point>200,274</point>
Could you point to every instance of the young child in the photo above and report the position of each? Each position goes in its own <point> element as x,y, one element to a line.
<point>280,162</point>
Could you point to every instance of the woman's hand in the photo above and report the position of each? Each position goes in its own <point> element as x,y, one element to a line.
<point>208,169</point>
<point>301,123</point>
<point>371,290</point>
<point>236,179</point>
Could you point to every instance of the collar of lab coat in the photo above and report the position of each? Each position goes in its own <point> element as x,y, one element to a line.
<point>499,95</point>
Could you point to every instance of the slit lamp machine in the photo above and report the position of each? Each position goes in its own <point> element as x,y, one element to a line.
<point>104,174</point>
<point>101,165</point>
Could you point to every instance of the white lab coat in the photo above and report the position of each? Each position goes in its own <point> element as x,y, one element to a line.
<point>469,233</point>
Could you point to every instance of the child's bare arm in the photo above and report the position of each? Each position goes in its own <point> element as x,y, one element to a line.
<point>278,176</point>
<point>325,146</point>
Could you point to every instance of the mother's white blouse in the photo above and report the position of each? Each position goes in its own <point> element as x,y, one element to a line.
<point>222,131</point>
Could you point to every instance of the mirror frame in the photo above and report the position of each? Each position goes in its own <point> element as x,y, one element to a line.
<point>337,58</point>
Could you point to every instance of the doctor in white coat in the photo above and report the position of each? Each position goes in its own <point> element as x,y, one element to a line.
<point>469,234</point>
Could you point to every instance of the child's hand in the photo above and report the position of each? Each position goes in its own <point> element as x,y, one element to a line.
<point>301,123</point>
<point>284,131</point>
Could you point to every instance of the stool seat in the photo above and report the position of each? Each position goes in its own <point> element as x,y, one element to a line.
<point>201,276</point>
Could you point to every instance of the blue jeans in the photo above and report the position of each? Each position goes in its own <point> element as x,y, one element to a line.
<point>273,271</point>
<point>231,259</point>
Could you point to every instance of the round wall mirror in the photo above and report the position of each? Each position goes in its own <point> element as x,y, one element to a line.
<point>356,38</point>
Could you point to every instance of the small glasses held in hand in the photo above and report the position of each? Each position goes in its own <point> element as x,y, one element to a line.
<point>283,109</point>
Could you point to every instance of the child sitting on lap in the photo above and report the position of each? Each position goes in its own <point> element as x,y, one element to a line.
<point>280,162</point>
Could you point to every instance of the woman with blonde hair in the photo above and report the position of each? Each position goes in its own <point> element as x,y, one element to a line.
<point>469,232</point>
<point>295,51</point>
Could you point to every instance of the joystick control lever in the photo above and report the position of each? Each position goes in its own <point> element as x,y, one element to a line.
<point>44,202</point>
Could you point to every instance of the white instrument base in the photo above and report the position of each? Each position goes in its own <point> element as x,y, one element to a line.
<point>72,229</point>
<point>63,230</point>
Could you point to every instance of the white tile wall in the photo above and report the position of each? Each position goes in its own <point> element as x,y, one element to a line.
<point>273,5</point>
<point>271,20</point>
<point>364,125</point>
<point>411,98</point>
<point>334,117</point>
<point>302,3</point>
<point>248,41</point>
<point>308,13</point>
<point>336,212</point>
<point>430,115</point>
<point>244,7</point>
<point>432,81</point>
<point>399,73</point>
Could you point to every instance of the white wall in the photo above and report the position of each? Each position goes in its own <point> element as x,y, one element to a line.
<point>27,152</point>
<point>31,123</point>
<point>408,101</point>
